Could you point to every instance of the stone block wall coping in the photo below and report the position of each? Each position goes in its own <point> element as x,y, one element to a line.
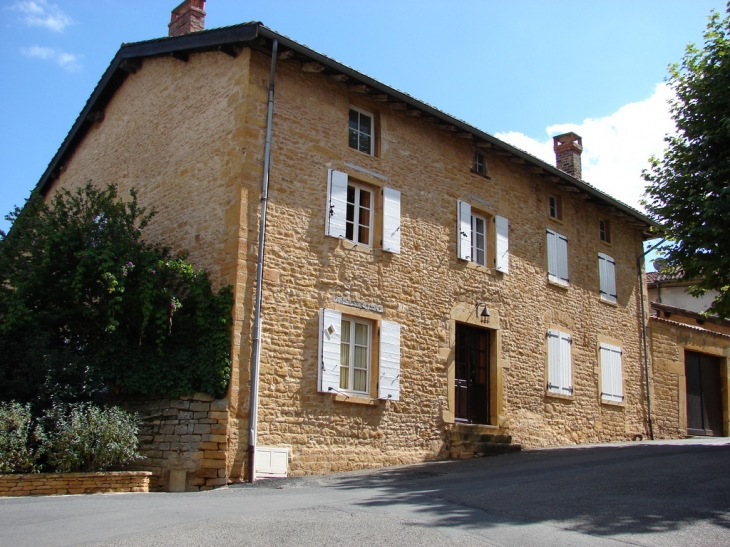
<point>38,484</point>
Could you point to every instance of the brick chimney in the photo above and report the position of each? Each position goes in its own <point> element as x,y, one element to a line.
<point>187,17</point>
<point>568,148</point>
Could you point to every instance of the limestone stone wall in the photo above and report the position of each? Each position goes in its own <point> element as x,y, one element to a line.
<point>669,339</point>
<point>40,484</point>
<point>187,436</point>
<point>426,288</point>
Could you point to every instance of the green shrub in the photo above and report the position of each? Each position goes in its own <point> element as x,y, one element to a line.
<point>89,438</point>
<point>21,440</point>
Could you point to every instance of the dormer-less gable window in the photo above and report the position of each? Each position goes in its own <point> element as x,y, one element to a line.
<point>480,164</point>
<point>361,132</point>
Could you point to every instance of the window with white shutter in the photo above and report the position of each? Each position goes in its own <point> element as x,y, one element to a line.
<point>351,212</point>
<point>612,383</point>
<point>391,220</point>
<point>463,227</point>
<point>560,377</point>
<point>336,222</point>
<point>607,275</point>
<point>389,373</point>
<point>501,246</point>
<point>476,244</point>
<point>557,251</point>
<point>345,355</point>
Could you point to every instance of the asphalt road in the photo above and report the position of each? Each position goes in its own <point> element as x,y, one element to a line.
<point>656,494</point>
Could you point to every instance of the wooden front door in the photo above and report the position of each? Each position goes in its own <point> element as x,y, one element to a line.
<point>472,374</point>
<point>704,402</point>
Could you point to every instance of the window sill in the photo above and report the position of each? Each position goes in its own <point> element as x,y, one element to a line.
<point>555,219</point>
<point>604,242</point>
<point>613,403</point>
<point>559,396</point>
<point>474,266</point>
<point>483,175</point>
<point>563,286</point>
<point>356,399</point>
<point>614,304</point>
<point>358,247</point>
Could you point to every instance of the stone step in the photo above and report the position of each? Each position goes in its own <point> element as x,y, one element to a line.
<point>480,437</point>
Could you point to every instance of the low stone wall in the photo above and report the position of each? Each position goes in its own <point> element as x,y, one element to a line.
<point>183,442</point>
<point>39,484</point>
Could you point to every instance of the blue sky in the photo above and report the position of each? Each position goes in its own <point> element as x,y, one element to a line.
<point>522,70</point>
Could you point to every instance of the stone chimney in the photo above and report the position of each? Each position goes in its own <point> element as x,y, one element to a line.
<point>187,17</point>
<point>568,148</point>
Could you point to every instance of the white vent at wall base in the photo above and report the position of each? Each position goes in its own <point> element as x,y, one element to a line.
<point>271,462</point>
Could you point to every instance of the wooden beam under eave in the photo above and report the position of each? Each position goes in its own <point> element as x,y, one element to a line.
<point>230,50</point>
<point>431,119</point>
<point>338,77</point>
<point>286,54</point>
<point>552,178</point>
<point>379,97</point>
<point>464,135</point>
<point>312,66</point>
<point>130,65</point>
<point>501,152</point>
<point>181,55</point>
<point>359,88</point>
<point>515,159</point>
<point>447,127</point>
<point>535,169</point>
<point>398,106</point>
<point>414,113</point>
<point>95,116</point>
<point>484,144</point>
<point>567,188</point>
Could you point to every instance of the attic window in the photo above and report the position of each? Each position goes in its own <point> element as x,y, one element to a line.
<point>480,164</point>
<point>360,131</point>
<point>604,230</point>
<point>555,207</point>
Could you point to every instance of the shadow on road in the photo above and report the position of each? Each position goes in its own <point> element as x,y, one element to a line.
<point>597,490</point>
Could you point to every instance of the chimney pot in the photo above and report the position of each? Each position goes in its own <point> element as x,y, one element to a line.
<point>568,148</point>
<point>187,17</point>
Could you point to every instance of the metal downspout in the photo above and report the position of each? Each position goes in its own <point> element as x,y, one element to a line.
<point>643,332</point>
<point>256,350</point>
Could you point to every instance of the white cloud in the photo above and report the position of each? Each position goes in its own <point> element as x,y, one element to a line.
<point>67,61</point>
<point>39,13</point>
<point>615,148</point>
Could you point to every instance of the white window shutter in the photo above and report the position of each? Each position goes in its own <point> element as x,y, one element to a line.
<point>607,274</point>
<point>391,220</point>
<point>554,373</point>
<point>464,230</point>
<point>562,259</point>
<point>389,373</point>
<point>612,385</point>
<point>559,363</point>
<point>330,337</point>
<point>552,252</point>
<point>565,363</point>
<point>336,222</point>
<point>501,231</point>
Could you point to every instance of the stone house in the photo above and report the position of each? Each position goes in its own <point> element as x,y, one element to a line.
<point>423,290</point>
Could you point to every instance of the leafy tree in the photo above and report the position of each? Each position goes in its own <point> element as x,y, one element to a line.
<point>689,187</point>
<point>89,310</point>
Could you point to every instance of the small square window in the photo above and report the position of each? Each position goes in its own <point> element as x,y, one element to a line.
<point>359,220</point>
<point>555,207</point>
<point>480,164</point>
<point>361,131</point>
<point>604,230</point>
